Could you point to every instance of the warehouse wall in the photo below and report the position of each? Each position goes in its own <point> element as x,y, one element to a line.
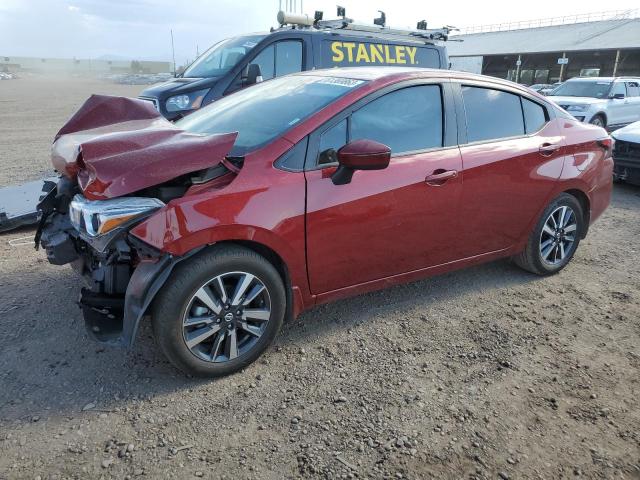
<point>467,64</point>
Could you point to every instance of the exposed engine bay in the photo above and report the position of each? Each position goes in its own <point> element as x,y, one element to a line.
<point>120,162</point>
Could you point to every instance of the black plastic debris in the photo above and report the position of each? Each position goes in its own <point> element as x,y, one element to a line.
<point>18,203</point>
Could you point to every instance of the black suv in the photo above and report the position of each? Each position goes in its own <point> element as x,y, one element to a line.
<point>241,61</point>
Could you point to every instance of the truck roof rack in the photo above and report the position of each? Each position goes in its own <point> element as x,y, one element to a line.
<point>304,21</point>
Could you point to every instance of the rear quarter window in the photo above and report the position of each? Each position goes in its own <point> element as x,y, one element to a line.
<point>354,53</point>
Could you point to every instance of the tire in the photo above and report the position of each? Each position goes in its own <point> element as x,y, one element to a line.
<point>599,121</point>
<point>532,258</point>
<point>184,311</point>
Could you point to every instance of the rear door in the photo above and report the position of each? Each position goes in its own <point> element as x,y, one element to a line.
<point>391,221</point>
<point>512,155</point>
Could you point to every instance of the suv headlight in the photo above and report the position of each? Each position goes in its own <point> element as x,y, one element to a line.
<point>186,101</point>
<point>576,108</point>
<point>97,217</point>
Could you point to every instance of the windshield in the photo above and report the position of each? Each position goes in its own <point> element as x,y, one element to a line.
<point>583,89</point>
<point>222,57</point>
<point>265,111</point>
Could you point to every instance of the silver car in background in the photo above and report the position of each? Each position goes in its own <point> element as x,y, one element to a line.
<point>609,102</point>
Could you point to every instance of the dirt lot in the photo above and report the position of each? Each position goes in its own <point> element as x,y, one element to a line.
<point>484,373</point>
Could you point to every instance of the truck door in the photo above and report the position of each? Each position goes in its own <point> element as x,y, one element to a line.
<point>275,60</point>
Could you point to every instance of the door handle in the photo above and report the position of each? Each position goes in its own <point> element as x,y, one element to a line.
<point>548,149</point>
<point>440,176</point>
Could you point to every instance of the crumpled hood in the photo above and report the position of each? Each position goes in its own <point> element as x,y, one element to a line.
<point>116,146</point>
<point>630,133</point>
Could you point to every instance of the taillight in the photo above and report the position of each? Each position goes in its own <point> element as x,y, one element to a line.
<point>607,145</point>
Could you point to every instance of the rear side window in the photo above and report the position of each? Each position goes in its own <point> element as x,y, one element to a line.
<point>405,120</point>
<point>353,53</point>
<point>534,115</point>
<point>491,114</point>
<point>634,89</point>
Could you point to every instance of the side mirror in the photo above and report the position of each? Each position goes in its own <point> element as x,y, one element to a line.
<point>253,74</point>
<point>360,155</point>
<point>618,96</point>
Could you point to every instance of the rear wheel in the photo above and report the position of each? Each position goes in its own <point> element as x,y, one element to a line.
<point>599,121</point>
<point>219,311</point>
<point>555,238</point>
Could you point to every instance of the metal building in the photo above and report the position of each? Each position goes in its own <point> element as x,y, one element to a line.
<point>553,49</point>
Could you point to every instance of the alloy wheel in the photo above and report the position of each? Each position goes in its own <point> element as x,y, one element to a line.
<point>226,317</point>
<point>558,236</point>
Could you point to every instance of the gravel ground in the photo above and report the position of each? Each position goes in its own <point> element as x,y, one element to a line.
<point>484,373</point>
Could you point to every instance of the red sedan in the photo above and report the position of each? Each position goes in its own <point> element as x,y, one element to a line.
<point>306,189</point>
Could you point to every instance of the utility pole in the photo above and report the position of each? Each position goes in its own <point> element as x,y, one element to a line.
<point>173,53</point>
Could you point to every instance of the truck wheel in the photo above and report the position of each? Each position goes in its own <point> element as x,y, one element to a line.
<point>598,121</point>
<point>555,238</point>
<point>218,311</point>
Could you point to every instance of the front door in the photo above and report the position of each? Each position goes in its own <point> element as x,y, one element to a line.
<point>391,221</point>
<point>512,157</point>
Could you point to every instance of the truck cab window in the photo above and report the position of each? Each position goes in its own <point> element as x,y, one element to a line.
<point>288,57</point>
<point>265,59</point>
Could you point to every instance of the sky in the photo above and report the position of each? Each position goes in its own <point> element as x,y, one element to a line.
<point>140,29</point>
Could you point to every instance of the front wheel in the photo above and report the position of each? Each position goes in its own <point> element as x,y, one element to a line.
<point>598,121</point>
<point>555,238</point>
<point>218,311</point>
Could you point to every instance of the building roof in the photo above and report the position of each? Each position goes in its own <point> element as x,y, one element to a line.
<point>608,34</point>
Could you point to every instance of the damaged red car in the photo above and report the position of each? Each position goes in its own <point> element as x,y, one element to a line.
<point>306,189</point>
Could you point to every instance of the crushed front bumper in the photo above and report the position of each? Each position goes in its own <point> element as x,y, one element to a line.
<point>123,274</point>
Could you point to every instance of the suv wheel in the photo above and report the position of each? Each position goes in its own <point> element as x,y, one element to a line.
<point>555,238</point>
<point>598,121</point>
<point>219,311</point>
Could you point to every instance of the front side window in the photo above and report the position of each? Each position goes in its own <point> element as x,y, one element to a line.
<point>222,57</point>
<point>405,120</point>
<point>491,114</point>
<point>265,111</point>
<point>266,60</point>
<point>618,89</point>
<point>331,141</point>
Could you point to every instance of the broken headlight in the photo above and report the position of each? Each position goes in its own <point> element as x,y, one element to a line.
<point>97,217</point>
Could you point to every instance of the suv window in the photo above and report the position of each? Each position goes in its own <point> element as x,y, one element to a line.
<point>634,89</point>
<point>491,114</point>
<point>404,120</point>
<point>535,115</point>
<point>618,88</point>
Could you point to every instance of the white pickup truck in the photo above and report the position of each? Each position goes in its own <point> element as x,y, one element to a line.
<point>609,102</point>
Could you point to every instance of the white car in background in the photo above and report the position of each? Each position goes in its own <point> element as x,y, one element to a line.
<point>626,154</point>
<point>609,102</point>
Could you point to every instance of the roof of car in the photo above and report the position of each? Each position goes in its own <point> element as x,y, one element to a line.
<point>401,73</point>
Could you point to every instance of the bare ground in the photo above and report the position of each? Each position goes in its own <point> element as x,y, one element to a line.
<point>484,373</point>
